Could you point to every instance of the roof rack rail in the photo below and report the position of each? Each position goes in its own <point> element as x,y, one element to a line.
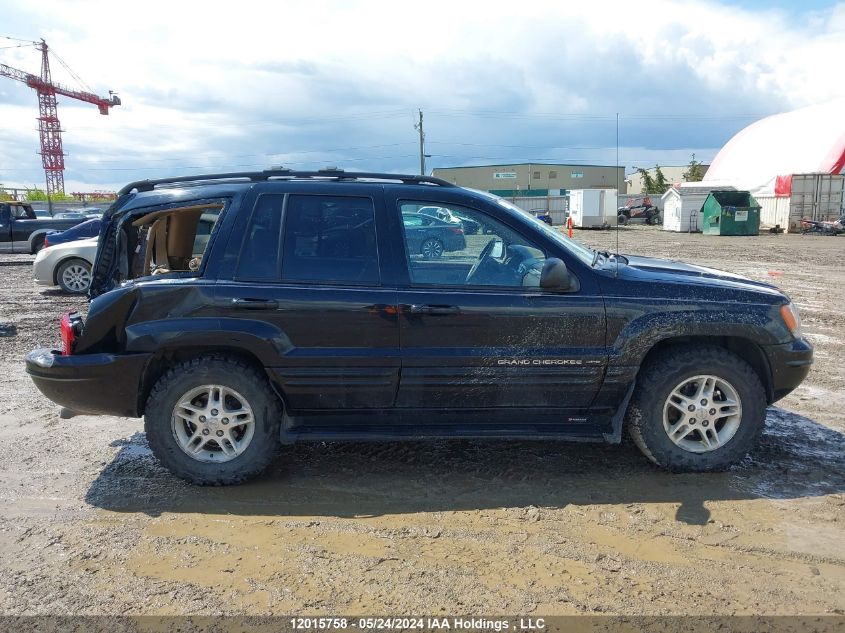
<point>268,174</point>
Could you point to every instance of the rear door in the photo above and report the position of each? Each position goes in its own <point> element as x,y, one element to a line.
<point>309,265</point>
<point>478,333</point>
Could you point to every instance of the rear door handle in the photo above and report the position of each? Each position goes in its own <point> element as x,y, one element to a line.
<point>255,304</point>
<point>434,310</point>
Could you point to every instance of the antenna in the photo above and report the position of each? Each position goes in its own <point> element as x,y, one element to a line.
<point>616,271</point>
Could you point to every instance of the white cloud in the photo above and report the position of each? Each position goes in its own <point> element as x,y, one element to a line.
<point>223,84</point>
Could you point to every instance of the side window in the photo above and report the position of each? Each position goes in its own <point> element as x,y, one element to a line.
<point>458,246</point>
<point>330,239</point>
<point>260,252</point>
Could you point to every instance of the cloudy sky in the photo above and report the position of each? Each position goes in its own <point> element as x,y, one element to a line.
<point>246,85</point>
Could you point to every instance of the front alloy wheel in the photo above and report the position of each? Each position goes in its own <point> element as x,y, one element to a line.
<point>702,413</point>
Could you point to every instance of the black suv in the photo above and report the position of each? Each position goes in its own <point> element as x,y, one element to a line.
<point>309,313</point>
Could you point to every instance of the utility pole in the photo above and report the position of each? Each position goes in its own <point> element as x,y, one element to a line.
<point>419,127</point>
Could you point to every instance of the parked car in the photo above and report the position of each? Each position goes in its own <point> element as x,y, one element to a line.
<point>70,215</point>
<point>274,335</point>
<point>21,231</point>
<point>430,237</point>
<point>88,228</point>
<point>470,226</point>
<point>67,265</point>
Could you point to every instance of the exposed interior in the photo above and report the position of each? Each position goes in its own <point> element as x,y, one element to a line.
<point>173,240</point>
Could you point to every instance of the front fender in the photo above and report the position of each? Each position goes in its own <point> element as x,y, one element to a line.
<point>636,326</point>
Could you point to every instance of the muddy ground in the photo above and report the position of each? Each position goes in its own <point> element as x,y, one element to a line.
<point>90,524</point>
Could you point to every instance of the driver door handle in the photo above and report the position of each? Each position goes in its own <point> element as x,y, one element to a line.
<point>433,310</point>
<point>255,304</point>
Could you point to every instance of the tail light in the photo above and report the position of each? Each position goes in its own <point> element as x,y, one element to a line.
<point>457,230</point>
<point>46,242</point>
<point>71,325</point>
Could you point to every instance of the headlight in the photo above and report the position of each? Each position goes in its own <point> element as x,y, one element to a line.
<point>791,318</point>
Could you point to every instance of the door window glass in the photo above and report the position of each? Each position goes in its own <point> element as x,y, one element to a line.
<point>260,253</point>
<point>330,239</point>
<point>450,245</point>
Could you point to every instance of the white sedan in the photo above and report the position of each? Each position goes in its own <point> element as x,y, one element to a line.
<point>66,265</point>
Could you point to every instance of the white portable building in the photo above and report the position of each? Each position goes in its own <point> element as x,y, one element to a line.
<point>682,206</point>
<point>592,208</point>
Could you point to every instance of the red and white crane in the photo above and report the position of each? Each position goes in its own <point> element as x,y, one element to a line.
<point>52,154</point>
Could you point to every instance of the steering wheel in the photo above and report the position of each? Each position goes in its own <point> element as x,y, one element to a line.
<point>482,258</point>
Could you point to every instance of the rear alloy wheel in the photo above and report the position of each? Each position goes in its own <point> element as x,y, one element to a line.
<point>213,420</point>
<point>213,423</point>
<point>74,276</point>
<point>696,408</point>
<point>432,248</point>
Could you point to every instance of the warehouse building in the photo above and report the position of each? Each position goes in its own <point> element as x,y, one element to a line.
<point>674,175</point>
<point>534,179</point>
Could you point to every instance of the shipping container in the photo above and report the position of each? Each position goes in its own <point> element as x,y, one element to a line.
<point>593,208</point>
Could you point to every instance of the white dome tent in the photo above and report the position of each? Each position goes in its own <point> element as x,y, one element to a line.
<point>797,156</point>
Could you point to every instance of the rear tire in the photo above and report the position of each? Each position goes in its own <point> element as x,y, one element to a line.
<point>676,374</point>
<point>166,431</point>
<point>431,248</point>
<point>622,219</point>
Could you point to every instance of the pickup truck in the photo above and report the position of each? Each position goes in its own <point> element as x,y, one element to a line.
<point>21,231</point>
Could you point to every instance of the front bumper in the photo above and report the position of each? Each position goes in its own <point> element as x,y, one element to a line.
<point>96,384</point>
<point>790,363</point>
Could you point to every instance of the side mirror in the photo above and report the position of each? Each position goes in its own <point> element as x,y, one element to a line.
<point>555,275</point>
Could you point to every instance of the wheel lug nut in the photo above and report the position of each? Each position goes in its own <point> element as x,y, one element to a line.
<point>225,420</point>
<point>219,433</point>
<point>705,423</point>
<point>205,431</point>
<point>692,421</point>
<point>691,407</point>
<point>214,412</point>
<point>703,402</point>
<point>712,411</point>
<point>202,418</point>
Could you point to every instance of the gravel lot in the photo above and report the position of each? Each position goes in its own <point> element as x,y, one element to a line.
<point>90,524</point>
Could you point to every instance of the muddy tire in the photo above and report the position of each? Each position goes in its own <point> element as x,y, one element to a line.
<point>696,408</point>
<point>213,421</point>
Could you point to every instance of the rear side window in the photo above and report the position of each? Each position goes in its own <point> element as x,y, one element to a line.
<point>330,239</point>
<point>260,254</point>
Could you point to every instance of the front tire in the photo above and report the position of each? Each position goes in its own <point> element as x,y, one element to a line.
<point>213,421</point>
<point>74,276</point>
<point>696,409</point>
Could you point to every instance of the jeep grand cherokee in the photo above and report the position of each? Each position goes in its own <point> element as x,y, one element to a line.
<point>311,312</point>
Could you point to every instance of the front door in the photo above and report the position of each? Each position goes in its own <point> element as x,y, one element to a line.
<point>309,268</point>
<point>477,331</point>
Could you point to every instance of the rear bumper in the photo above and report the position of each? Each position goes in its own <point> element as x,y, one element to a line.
<point>97,384</point>
<point>790,364</point>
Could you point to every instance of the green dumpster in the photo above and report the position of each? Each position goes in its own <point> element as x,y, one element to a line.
<point>731,213</point>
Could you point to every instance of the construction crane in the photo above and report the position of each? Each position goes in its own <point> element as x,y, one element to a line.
<point>52,154</point>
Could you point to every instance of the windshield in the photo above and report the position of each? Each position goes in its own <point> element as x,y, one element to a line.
<point>582,252</point>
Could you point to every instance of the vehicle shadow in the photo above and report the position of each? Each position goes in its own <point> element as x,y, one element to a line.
<point>797,457</point>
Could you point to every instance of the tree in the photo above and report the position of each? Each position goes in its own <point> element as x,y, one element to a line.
<point>656,183</point>
<point>648,181</point>
<point>660,182</point>
<point>694,173</point>
<point>39,195</point>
